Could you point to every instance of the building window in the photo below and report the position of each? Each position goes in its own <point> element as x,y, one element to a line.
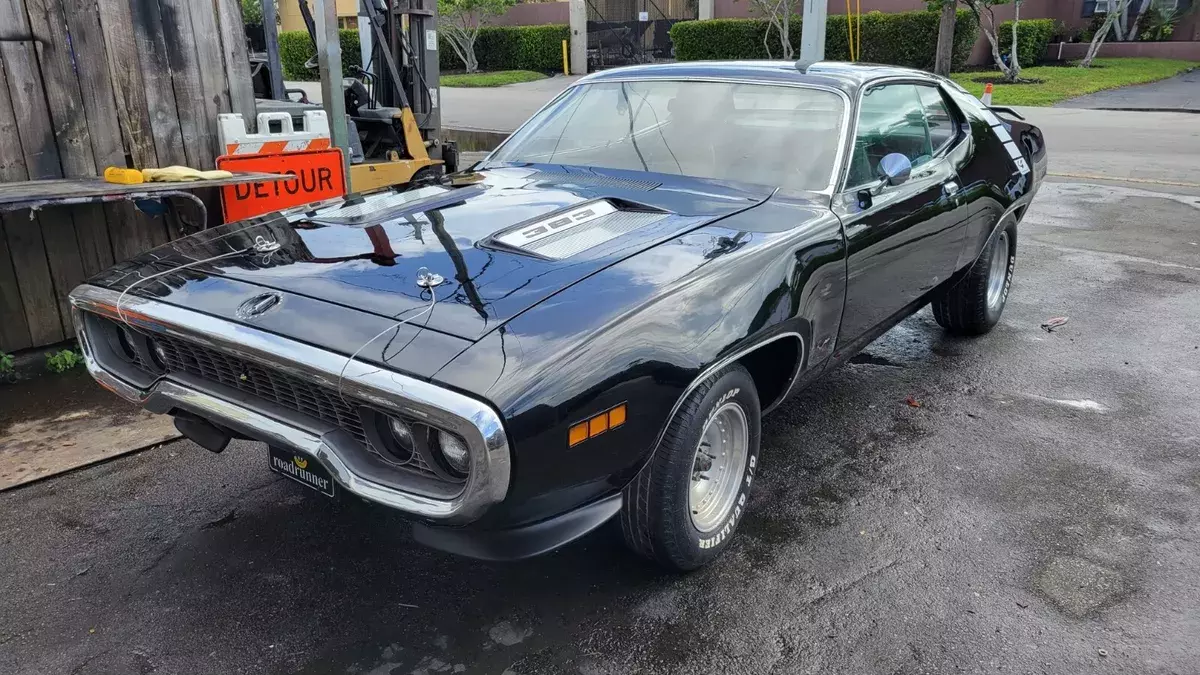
<point>347,22</point>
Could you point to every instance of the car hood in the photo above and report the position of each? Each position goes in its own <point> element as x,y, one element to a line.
<point>499,241</point>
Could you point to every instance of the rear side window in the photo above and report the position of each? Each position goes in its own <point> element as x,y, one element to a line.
<point>943,128</point>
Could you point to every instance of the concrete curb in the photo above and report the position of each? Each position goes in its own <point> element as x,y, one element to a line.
<point>475,140</point>
<point>1190,111</point>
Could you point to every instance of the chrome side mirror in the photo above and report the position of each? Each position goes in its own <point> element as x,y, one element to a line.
<point>895,169</point>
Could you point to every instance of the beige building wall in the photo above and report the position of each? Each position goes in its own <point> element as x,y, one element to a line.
<point>291,19</point>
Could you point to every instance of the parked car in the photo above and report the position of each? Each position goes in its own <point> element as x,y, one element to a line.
<point>590,323</point>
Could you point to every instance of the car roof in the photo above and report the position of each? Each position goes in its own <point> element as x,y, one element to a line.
<point>848,77</point>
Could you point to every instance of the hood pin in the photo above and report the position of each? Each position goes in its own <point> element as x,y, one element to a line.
<point>427,279</point>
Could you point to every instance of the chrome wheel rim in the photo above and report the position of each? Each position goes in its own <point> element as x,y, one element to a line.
<point>718,466</point>
<point>998,273</point>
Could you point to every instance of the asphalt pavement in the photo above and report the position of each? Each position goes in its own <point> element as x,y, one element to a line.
<point>1180,93</point>
<point>1036,511</point>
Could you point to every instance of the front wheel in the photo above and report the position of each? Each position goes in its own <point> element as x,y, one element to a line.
<point>974,304</point>
<point>685,504</point>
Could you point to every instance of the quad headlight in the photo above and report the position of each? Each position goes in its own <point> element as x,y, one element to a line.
<point>453,451</point>
<point>405,442</point>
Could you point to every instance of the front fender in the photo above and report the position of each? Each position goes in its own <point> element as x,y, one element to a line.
<point>642,333</point>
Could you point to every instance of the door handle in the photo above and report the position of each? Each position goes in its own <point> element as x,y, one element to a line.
<point>950,189</point>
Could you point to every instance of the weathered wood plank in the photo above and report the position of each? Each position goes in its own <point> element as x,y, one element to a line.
<point>198,139</point>
<point>214,88</point>
<point>104,127</point>
<point>130,231</point>
<point>151,46</point>
<point>38,148</point>
<point>95,86</point>
<point>62,238</point>
<point>35,284</point>
<point>125,75</point>
<point>237,60</point>
<point>14,328</point>
<point>40,154</point>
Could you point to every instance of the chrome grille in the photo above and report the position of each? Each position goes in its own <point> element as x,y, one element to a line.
<point>279,388</point>
<point>268,384</point>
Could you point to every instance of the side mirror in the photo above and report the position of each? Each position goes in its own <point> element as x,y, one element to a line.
<point>895,169</point>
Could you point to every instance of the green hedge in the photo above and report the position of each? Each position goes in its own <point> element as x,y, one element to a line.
<point>512,48</point>
<point>295,48</point>
<point>901,38</point>
<point>1033,37</point>
<point>497,48</point>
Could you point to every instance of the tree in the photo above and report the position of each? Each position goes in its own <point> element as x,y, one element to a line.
<point>982,9</point>
<point>1102,32</point>
<point>1126,22</point>
<point>461,21</point>
<point>945,45</point>
<point>778,14</point>
<point>252,12</point>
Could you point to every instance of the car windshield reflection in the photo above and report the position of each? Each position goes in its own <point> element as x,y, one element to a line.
<point>773,135</point>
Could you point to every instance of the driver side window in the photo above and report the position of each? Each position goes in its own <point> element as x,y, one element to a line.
<point>891,119</point>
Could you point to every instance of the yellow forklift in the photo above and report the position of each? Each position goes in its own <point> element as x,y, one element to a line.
<point>390,103</point>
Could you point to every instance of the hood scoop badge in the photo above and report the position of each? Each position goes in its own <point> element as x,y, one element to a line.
<point>576,230</point>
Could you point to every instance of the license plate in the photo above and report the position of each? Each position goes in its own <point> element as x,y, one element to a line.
<point>301,468</point>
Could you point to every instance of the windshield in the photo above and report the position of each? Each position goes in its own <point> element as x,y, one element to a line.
<point>756,133</point>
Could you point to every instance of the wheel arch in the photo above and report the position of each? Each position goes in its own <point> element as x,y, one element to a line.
<point>758,356</point>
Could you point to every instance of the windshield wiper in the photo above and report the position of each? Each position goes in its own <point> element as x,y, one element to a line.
<point>632,135</point>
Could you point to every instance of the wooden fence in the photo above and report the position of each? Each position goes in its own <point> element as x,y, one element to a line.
<point>86,84</point>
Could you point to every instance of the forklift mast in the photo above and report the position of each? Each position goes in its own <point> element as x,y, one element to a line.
<point>410,30</point>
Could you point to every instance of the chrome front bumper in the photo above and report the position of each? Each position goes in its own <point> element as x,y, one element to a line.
<point>475,421</point>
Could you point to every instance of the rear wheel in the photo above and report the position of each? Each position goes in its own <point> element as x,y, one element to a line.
<point>685,504</point>
<point>973,306</point>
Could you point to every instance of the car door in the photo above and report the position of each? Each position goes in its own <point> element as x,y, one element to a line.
<point>902,240</point>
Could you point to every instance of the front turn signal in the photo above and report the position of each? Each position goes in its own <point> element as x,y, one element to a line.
<point>596,425</point>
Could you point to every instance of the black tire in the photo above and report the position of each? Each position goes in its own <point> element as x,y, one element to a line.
<point>655,518</point>
<point>963,308</point>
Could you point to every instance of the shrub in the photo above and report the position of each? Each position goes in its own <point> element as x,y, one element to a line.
<point>6,365</point>
<point>295,48</point>
<point>497,48</point>
<point>512,48</point>
<point>64,360</point>
<point>1033,37</point>
<point>902,38</point>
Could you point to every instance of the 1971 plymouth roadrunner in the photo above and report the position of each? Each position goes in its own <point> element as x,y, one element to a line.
<point>590,323</point>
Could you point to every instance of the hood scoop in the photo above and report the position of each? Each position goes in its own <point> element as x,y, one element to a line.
<point>575,230</point>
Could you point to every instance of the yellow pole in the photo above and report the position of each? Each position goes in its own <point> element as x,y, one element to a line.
<point>858,32</point>
<point>850,28</point>
<point>566,66</point>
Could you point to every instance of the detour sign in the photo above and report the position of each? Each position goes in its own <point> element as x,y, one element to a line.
<point>318,175</point>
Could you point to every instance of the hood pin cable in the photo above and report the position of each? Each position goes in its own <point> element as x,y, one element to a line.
<point>262,246</point>
<point>425,279</point>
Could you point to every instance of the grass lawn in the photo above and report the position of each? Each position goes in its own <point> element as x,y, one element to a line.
<point>1059,83</point>
<point>496,79</point>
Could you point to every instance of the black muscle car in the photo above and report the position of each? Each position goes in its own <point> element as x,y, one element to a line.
<point>588,324</point>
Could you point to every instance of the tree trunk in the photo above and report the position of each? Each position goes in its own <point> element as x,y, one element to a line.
<point>1101,34</point>
<point>989,31</point>
<point>942,61</point>
<point>1013,63</point>
<point>785,34</point>
<point>1132,33</point>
